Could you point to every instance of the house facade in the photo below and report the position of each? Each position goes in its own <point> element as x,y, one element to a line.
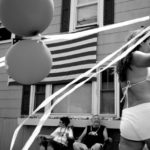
<point>98,96</point>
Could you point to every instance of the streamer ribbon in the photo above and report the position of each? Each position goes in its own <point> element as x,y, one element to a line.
<point>48,100</point>
<point>48,112</point>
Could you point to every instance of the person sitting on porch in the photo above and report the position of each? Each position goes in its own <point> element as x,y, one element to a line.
<point>60,138</point>
<point>93,137</point>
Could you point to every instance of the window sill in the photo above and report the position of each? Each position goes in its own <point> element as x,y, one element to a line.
<point>76,122</point>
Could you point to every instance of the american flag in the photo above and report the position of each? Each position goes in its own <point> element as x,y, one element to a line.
<point>71,58</point>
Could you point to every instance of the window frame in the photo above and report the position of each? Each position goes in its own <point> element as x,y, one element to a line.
<point>116,94</point>
<point>95,102</point>
<point>78,120</point>
<point>73,14</point>
<point>48,92</point>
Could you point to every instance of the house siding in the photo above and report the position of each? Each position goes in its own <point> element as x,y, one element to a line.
<point>108,42</point>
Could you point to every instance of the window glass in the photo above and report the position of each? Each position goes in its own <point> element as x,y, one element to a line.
<point>87,14</point>
<point>78,102</point>
<point>25,100</point>
<point>85,1</point>
<point>39,96</point>
<point>90,13</point>
<point>107,99</point>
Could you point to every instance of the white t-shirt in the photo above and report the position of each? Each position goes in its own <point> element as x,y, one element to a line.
<point>60,135</point>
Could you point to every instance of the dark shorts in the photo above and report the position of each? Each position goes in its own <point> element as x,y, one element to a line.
<point>43,141</point>
<point>57,145</point>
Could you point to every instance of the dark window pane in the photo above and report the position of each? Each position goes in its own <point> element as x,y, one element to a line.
<point>107,99</point>
<point>108,12</point>
<point>65,16</point>
<point>108,79</point>
<point>25,100</point>
<point>39,96</point>
<point>107,103</point>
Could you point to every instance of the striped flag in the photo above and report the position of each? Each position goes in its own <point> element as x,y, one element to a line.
<point>71,58</point>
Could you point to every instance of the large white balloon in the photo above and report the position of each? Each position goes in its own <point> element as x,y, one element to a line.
<point>26,17</point>
<point>28,61</point>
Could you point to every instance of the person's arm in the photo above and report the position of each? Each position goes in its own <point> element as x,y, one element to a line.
<point>82,135</point>
<point>70,133</point>
<point>54,133</point>
<point>105,134</point>
<point>70,137</point>
<point>106,137</point>
<point>141,59</point>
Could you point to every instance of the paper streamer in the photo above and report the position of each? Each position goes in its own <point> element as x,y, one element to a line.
<point>2,59</point>
<point>48,112</point>
<point>92,31</point>
<point>2,64</point>
<point>45,102</point>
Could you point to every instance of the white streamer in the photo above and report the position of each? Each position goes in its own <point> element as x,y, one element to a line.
<point>92,31</point>
<point>2,59</point>
<point>45,102</point>
<point>48,112</point>
<point>2,64</point>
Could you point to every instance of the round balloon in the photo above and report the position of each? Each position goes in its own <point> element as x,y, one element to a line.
<point>28,61</point>
<point>26,17</point>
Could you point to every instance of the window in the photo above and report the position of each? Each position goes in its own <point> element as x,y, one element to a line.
<point>5,35</point>
<point>39,96</point>
<point>108,93</point>
<point>33,96</point>
<point>79,14</point>
<point>79,102</point>
<point>86,13</point>
<point>90,13</point>
<point>101,96</point>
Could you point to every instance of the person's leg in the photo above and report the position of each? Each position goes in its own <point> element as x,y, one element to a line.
<point>79,146</point>
<point>96,146</point>
<point>126,144</point>
<point>148,144</point>
<point>42,147</point>
<point>43,143</point>
<point>50,147</point>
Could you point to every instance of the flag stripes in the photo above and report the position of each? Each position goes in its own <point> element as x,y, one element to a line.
<point>70,58</point>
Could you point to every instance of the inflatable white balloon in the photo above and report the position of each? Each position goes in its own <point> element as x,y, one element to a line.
<point>28,61</point>
<point>26,17</point>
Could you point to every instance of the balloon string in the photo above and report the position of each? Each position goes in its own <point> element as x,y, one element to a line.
<point>37,37</point>
<point>51,97</point>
